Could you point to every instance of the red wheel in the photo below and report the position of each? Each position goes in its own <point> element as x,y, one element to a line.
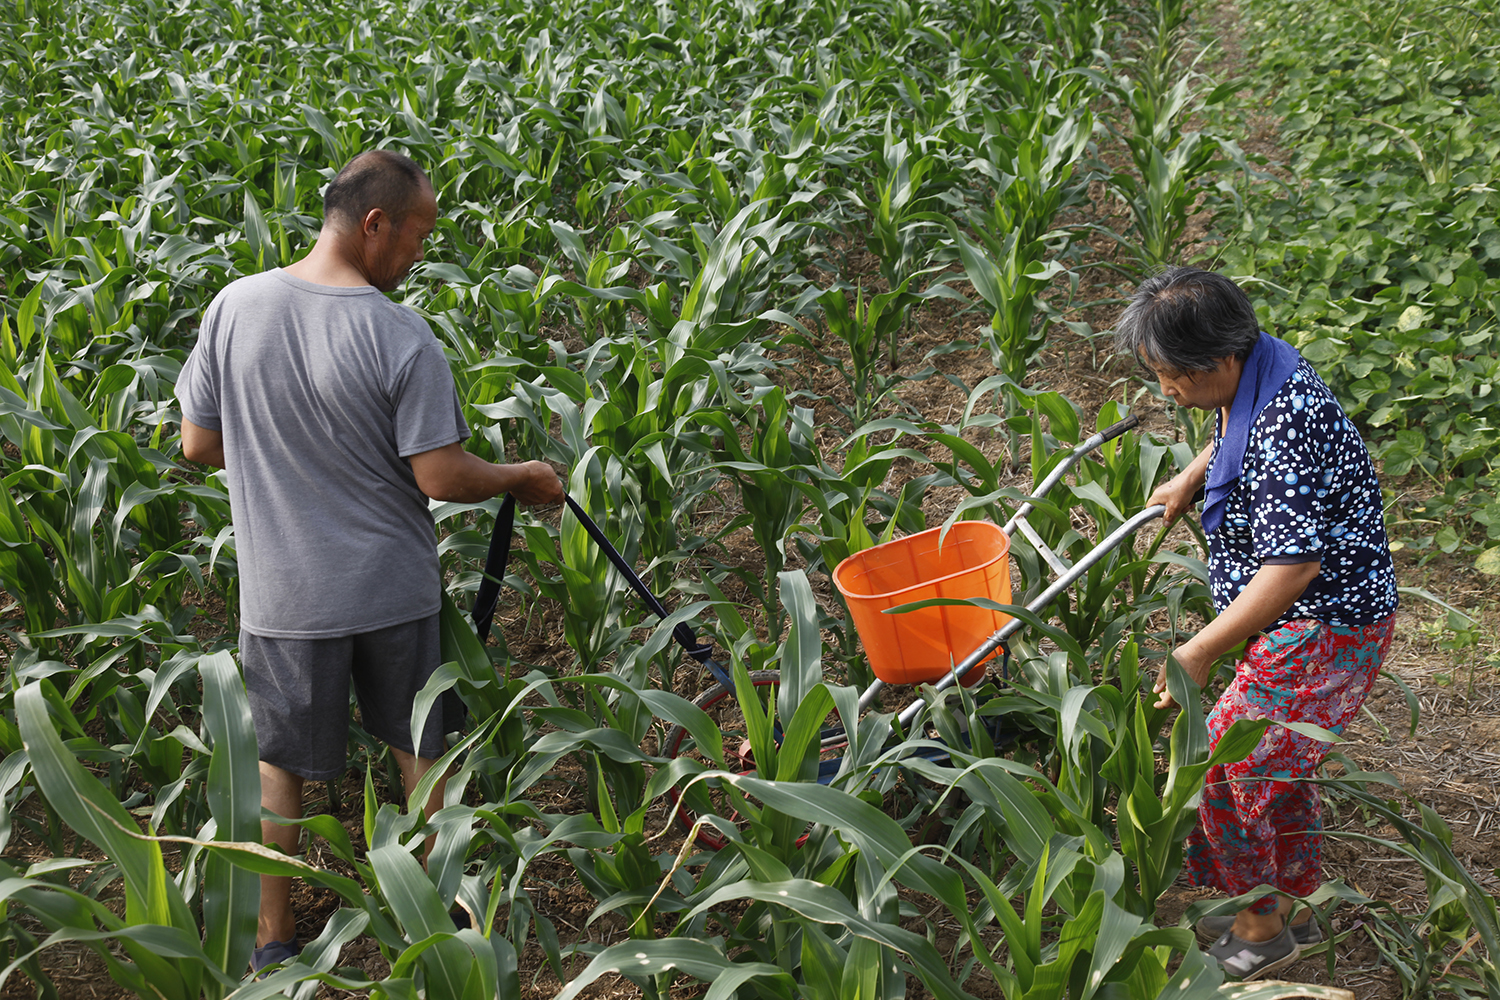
<point>724,709</point>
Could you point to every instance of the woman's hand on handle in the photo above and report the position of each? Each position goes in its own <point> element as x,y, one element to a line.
<point>1176,494</point>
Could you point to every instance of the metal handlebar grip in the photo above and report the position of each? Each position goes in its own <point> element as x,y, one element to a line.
<point>1115,430</point>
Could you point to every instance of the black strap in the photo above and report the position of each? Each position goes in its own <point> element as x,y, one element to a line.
<point>488,594</point>
<point>499,555</point>
<point>682,633</point>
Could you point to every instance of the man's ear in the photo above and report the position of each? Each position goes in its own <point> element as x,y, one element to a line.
<point>373,220</point>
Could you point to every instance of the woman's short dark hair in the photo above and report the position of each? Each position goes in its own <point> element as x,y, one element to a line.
<point>376,178</point>
<point>1187,319</point>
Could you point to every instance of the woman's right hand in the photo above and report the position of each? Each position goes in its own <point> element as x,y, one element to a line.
<point>1176,494</point>
<point>1192,661</point>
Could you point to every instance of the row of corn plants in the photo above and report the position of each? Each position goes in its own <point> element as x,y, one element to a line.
<point>649,213</point>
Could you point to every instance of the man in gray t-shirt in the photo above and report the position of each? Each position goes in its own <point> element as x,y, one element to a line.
<point>335,415</point>
<point>322,393</point>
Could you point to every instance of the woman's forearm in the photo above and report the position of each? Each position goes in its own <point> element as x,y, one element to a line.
<point>1273,589</point>
<point>1176,494</point>
<point>1196,474</point>
<point>1266,597</point>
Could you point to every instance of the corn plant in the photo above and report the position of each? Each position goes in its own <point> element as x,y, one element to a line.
<point>1461,914</point>
<point>158,922</point>
<point>872,325</point>
<point>1009,274</point>
<point>1102,842</point>
<point>61,554</point>
<point>726,294</point>
<point>896,225</point>
<point>1029,150</point>
<point>653,424</point>
<point>1077,31</point>
<point>512,754</point>
<point>1161,42</point>
<point>1099,943</point>
<point>587,586</point>
<point>1162,190</point>
<point>768,470</point>
<point>790,907</point>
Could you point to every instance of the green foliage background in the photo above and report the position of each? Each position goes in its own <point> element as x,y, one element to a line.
<point>1380,255</point>
<point>647,208</point>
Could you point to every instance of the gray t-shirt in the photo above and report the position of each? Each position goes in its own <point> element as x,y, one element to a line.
<point>321,394</point>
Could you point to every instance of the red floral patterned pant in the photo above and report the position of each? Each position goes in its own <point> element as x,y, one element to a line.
<point>1260,823</point>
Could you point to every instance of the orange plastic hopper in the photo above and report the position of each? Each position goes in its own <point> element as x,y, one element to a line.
<point>919,647</point>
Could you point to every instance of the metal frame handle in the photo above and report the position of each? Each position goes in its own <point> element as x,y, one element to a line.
<point>1106,545</point>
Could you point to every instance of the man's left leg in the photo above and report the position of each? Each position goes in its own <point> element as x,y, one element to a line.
<point>298,690</point>
<point>391,666</point>
<point>413,769</point>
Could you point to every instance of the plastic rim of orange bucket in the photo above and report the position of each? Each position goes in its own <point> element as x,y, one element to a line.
<point>919,647</point>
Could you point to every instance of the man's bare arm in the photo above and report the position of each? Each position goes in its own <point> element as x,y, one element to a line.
<point>453,474</point>
<point>199,444</point>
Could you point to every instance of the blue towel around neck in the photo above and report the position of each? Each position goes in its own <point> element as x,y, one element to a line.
<point>1271,362</point>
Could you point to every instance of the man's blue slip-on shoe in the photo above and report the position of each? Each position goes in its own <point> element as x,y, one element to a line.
<point>274,953</point>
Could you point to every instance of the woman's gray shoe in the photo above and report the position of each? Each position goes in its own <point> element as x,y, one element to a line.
<point>1210,929</point>
<point>1250,960</point>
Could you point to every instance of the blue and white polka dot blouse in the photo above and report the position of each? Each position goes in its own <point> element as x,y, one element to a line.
<point>1308,493</point>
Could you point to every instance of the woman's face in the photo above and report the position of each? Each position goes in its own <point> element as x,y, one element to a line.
<point>1210,390</point>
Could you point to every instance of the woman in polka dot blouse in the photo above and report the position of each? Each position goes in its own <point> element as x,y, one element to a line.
<point>1300,570</point>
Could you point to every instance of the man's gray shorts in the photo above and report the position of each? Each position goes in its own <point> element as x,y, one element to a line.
<point>299,694</point>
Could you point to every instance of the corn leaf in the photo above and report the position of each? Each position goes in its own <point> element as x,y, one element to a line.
<point>231,894</point>
<point>700,959</point>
